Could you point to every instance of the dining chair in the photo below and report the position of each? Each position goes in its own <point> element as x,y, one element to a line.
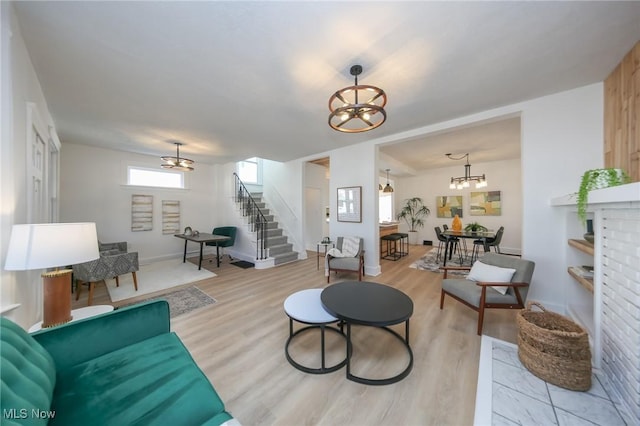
<point>490,242</point>
<point>442,242</point>
<point>495,242</point>
<point>458,241</point>
<point>446,240</point>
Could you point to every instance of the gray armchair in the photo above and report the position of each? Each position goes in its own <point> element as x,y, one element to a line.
<point>479,296</point>
<point>114,261</point>
<point>346,264</point>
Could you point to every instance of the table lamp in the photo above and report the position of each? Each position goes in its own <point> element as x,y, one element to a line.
<point>52,245</point>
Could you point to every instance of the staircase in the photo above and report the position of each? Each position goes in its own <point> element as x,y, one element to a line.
<point>271,243</point>
<point>277,243</point>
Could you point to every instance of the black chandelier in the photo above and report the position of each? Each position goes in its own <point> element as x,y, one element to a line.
<point>464,181</point>
<point>349,114</point>
<point>177,163</point>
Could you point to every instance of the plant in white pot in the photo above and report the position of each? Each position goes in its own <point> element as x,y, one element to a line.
<point>597,179</point>
<point>414,212</point>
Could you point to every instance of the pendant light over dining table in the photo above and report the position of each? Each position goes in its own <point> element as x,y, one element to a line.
<point>463,182</point>
<point>388,187</point>
<point>357,108</point>
<point>177,163</point>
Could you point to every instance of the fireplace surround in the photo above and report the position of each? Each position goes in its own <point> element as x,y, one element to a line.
<point>611,313</point>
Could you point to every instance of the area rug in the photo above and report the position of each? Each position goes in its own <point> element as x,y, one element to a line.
<point>243,264</point>
<point>156,276</point>
<point>183,301</point>
<point>428,263</point>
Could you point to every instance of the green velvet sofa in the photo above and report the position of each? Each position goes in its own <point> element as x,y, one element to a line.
<point>120,368</point>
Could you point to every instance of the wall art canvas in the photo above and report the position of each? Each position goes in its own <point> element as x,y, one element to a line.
<point>449,205</point>
<point>485,203</point>
<point>170,216</point>
<point>350,204</point>
<point>141,213</point>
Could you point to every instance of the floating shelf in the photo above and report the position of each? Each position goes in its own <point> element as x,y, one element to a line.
<point>582,245</point>
<point>587,283</point>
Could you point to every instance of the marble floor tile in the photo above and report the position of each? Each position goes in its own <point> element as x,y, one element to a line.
<point>520,379</point>
<point>520,408</point>
<point>594,408</point>
<point>519,397</point>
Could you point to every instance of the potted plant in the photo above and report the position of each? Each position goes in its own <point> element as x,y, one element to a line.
<point>413,213</point>
<point>475,227</point>
<point>597,179</point>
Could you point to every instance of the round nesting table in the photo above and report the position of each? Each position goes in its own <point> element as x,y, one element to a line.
<point>304,306</point>
<point>370,304</point>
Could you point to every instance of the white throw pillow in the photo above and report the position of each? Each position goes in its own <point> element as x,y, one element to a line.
<point>491,274</point>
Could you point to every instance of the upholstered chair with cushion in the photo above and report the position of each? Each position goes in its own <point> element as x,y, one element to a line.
<point>346,264</point>
<point>495,281</point>
<point>227,231</point>
<point>113,262</point>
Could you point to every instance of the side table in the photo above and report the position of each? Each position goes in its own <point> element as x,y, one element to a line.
<point>78,314</point>
<point>326,247</point>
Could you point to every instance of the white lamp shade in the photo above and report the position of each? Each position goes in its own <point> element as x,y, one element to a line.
<point>48,245</point>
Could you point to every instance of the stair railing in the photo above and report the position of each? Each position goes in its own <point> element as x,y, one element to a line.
<point>256,219</point>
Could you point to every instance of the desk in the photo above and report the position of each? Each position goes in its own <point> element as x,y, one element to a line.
<point>477,235</point>
<point>374,305</point>
<point>78,314</point>
<point>202,238</point>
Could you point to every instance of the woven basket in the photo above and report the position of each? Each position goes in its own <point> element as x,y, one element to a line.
<point>554,348</point>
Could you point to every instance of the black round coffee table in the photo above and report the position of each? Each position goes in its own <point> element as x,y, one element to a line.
<point>370,304</point>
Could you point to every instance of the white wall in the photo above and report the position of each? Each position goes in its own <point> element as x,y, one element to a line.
<point>356,165</point>
<point>503,176</point>
<point>20,86</point>
<point>562,136</point>
<point>93,189</point>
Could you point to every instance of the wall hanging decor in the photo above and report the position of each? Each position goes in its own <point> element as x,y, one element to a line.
<point>141,213</point>
<point>350,204</point>
<point>170,216</point>
<point>449,205</point>
<point>485,203</point>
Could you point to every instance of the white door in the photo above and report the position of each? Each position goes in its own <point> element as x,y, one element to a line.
<point>37,179</point>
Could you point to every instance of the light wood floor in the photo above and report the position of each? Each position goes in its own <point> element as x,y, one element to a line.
<point>239,344</point>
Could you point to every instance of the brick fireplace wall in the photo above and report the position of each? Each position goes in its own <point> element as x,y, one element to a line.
<point>621,305</point>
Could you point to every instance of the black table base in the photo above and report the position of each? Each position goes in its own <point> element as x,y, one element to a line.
<point>323,368</point>
<point>389,380</point>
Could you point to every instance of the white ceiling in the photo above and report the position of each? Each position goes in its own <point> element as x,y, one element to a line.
<point>238,79</point>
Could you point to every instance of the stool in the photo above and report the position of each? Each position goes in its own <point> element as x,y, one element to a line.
<point>391,254</point>
<point>305,307</point>
<point>404,242</point>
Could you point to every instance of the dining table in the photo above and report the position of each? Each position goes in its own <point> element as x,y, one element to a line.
<point>451,235</point>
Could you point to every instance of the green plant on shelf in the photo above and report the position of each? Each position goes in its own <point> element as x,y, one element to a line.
<point>597,179</point>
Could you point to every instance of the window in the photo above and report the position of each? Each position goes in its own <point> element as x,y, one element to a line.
<point>149,177</point>
<point>249,170</point>
<point>385,207</point>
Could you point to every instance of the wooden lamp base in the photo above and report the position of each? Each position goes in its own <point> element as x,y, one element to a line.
<point>57,297</point>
